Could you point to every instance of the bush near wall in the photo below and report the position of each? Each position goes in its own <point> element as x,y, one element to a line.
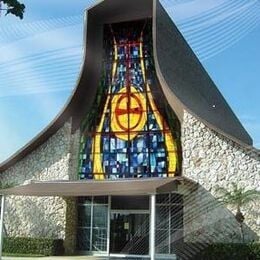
<point>230,252</point>
<point>33,246</point>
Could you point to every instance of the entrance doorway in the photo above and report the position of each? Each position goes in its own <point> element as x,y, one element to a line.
<point>124,226</point>
<point>129,225</point>
<point>129,232</point>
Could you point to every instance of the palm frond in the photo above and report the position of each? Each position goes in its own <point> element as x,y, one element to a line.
<point>222,191</point>
<point>6,186</point>
<point>237,196</point>
<point>250,195</point>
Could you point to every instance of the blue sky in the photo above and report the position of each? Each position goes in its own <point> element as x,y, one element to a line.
<point>40,58</point>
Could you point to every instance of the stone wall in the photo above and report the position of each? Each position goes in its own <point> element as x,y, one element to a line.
<point>214,161</point>
<point>71,203</point>
<point>39,216</point>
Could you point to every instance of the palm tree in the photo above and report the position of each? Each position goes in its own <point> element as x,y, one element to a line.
<point>6,186</point>
<point>238,197</point>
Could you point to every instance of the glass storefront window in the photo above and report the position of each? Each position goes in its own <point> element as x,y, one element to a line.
<point>169,222</point>
<point>100,200</point>
<point>84,200</point>
<point>83,239</point>
<point>84,215</point>
<point>92,223</point>
<point>129,220</point>
<point>100,216</point>
<point>99,239</point>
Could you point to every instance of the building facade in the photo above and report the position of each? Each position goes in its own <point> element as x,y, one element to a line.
<point>131,165</point>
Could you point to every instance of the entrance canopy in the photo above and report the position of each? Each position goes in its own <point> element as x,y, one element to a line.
<point>65,188</point>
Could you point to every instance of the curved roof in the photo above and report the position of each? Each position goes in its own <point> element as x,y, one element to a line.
<point>184,81</point>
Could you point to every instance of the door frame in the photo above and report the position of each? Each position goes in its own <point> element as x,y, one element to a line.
<point>110,211</point>
<point>129,211</point>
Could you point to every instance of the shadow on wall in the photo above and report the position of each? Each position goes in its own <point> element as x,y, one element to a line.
<point>71,225</point>
<point>206,222</point>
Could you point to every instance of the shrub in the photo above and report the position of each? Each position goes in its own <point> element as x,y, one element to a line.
<point>230,252</point>
<point>37,246</point>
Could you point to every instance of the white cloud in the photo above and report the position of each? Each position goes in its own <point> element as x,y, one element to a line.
<point>186,10</point>
<point>23,77</point>
<point>20,29</point>
<point>51,40</point>
<point>237,12</point>
<point>11,138</point>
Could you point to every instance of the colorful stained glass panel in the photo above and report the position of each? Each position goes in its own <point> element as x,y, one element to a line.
<point>128,133</point>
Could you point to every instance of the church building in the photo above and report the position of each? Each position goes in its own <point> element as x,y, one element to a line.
<point>131,165</point>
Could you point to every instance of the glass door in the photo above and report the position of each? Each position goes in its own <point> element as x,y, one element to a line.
<point>92,225</point>
<point>129,232</point>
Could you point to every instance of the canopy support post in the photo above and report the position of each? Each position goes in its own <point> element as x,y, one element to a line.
<point>152,226</point>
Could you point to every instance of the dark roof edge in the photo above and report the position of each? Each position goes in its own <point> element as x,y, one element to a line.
<point>190,86</point>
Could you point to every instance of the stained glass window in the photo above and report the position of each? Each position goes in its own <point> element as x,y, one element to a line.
<point>130,132</point>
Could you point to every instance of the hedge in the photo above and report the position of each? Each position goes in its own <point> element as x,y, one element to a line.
<point>37,246</point>
<point>230,251</point>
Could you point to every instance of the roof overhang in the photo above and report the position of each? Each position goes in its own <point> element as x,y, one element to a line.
<point>128,187</point>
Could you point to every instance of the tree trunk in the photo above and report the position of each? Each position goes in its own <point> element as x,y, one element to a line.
<point>240,219</point>
<point>242,232</point>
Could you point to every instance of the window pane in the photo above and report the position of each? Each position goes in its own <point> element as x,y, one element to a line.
<point>162,217</point>
<point>84,215</point>
<point>99,242</point>
<point>176,239</point>
<point>83,239</point>
<point>100,216</point>
<point>100,199</point>
<point>176,198</point>
<point>139,163</point>
<point>84,200</point>
<point>176,217</point>
<point>162,199</point>
<point>162,241</point>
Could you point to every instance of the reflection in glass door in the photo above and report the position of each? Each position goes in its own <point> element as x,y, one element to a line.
<point>92,224</point>
<point>129,232</point>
